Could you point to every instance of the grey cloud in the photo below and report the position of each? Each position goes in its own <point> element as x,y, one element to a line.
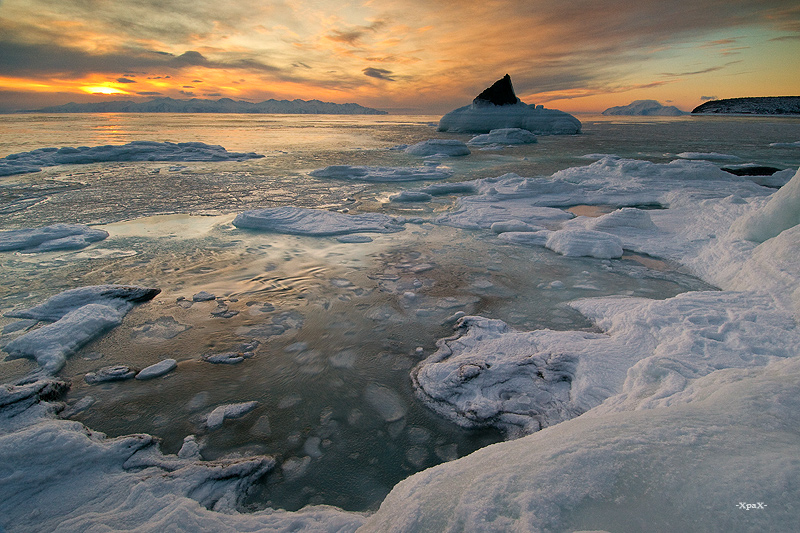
<point>381,74</point>
<point>125,80</point>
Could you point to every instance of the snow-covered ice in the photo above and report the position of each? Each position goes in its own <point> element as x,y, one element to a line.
<point>55,471</point>
<point>504,136</point>
<point>78,316</point>
<point>316,222</point>
<point>33,161</point>
<point>382,174</point>
<point>50,238</point>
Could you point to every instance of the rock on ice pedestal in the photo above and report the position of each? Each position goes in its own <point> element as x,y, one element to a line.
<point>498,107</point>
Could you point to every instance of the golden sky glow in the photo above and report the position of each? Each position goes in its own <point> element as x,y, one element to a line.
<point>421,56</point>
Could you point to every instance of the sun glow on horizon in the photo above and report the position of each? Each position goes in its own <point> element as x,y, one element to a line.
<point>102,89</point>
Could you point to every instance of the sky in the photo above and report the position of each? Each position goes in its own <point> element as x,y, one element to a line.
<point>416,56</point>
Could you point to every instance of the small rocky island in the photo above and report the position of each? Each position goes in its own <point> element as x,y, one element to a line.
<point>650,108</point>
<point>768,105</point>
<point>498,108</point>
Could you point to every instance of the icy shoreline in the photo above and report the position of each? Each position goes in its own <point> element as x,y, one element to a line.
<point>678,383</point>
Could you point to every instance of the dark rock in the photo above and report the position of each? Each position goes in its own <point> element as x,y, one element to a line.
<point>500,93</point>
<point>766,105</point>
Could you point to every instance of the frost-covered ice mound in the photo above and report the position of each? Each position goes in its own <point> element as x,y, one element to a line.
<point>76,317</point>
<point>316,222</point>
<point>33,161</point>
<point>50,238</point>
<point>380,174</point>
<point>504,136</point>
<point>491,375</point>
<point>736,442</point>
<point>443,147</point>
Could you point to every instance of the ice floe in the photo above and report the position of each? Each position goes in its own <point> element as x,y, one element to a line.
<point>50,238</point>
<point>504,136</point>
<point>134,151</point>
<point>77,316</point>
<point>382,174</point>
<point>445,147</point>
<point>316,222</point>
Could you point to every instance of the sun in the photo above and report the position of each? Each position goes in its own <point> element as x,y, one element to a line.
<point>100,89</point>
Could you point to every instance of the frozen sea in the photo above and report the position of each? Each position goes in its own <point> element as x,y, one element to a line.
<point>334,335</point>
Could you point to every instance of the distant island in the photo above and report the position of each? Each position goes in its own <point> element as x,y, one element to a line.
<point>645,108</point>
<point>223,105</point>
<point>768,105</point>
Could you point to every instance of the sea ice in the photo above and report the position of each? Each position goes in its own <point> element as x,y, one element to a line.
<point>134,151</point>
<point>381,174</point>
<point>316,222</point>
<point>504,136</point>
<point>446,147</point>
<point>50,238</point>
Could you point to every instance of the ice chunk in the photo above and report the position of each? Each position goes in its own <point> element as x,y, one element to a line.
<point>585,243</point>
<point>50,345</point>
<point>50,238</point>
<point>110,373</point>
<point>158,369</point>
<point>504,136</point>
<point>317,222</point>
<point>781,212</point>
<point>190,448</point>
<point>59,305</point>
<point>215,419</point>
<point>381,174</point>
<point>385,401</point>
<point>447,147</point>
